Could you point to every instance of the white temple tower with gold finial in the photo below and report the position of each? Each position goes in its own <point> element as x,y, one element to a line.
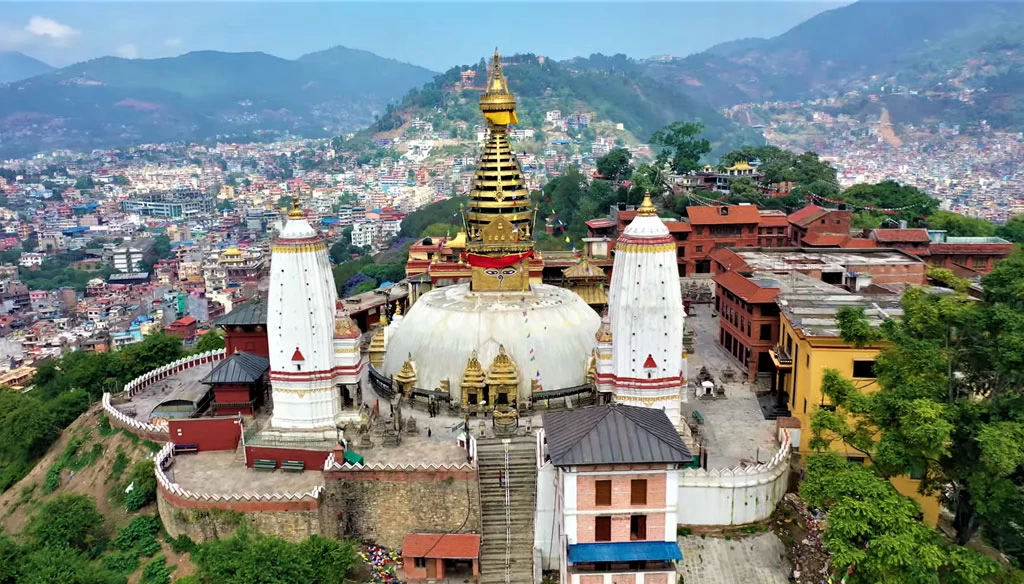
<point>644,333</point>
<point>301,308</point>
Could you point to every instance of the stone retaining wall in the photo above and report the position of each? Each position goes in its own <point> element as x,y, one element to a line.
<point>382,503</point>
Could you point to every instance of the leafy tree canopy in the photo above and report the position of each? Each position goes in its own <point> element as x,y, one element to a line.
<point>211,341</point>
<point>957,225</point>
<point>1013,229</point>
<point>682,146</point>
<point>616,165</point>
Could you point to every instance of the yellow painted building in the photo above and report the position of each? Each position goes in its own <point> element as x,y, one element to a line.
<point>810,343</point>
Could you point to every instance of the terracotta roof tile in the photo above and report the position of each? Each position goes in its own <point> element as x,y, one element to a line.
<point>449,546</point>
<point>807,215</point>
<point>745,288</point>
<point>677,226</point>
<point>600,223</point>
<point>772,220</point>
<point>824,239</point>
<point>729,259</point>
<point>901,235</point>
<point>708,215</point>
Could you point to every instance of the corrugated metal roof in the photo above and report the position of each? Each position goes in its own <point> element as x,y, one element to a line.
<point>241,367</point>
<point>624,551</point>
<point>613,434</point>
<point>247,313</point>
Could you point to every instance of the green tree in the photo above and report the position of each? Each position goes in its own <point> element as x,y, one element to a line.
<point>1013,229</point>
<point>84,183</point>
<point>910,203</point>
<point>142,480</point>
<point>444,212</point>
<point>957,225</point>
<point>681,146</point>
<point>65,565</point>
<point>436,230</point>
<point>875,529</point>
<point>210,341</point>
<point>616,165</point>
<point>948,401</point>
<point>120,180</point>
<point>70,521</point>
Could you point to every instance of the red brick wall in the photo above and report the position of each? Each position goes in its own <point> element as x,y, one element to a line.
<point>738,330</point>
<point>621,495</point>
<point>701,237</point>
<point>209,433</point>
<point>836,221</point>
<point>401,476</point>
<point>314,459</point>
<point>250,342</point>
<point>894,274</point>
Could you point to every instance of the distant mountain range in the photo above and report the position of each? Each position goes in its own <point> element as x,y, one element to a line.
<point>865,45</point>
<point>933,47</point>
<point>113,101</point>
<point>15,66</point>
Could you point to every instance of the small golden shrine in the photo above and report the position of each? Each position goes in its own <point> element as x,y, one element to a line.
<point>503,379</point>
<point>377,344</point>
<point>588,281</point>
<point>474,388</point>
<point>406,377</point>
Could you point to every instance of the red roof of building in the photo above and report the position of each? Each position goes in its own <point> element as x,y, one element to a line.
<point>858,243</point>
<point>773,220</point>
<point>184,321</point>
<point>600,223</point>
<point>901,235</point>
<point>807,215</point>
<point>729,259</point>
<point>447,546</point>
<point>825,239</point>
<point>678,226</point>
<point>745,288</point>
<point>708,215</point>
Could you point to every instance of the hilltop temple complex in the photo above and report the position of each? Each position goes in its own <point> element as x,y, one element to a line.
<point>479,427</point>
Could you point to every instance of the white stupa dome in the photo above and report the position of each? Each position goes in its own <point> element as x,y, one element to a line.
<point>444,327</point>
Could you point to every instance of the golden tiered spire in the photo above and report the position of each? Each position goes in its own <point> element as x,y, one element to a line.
<point>473,382</point>
<point>647,208</point>
<point>408,372</point>
<point>498,185</point>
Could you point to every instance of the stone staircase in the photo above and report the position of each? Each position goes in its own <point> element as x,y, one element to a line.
<point>506,543</point>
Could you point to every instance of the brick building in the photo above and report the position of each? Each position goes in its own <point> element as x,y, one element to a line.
<point>816,220</point>
<point>715,227</point>
<point>616,496</point>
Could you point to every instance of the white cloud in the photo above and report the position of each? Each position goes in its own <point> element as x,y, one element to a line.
<point>38,32</point>
<point>174,42</point>
<point>128,51</point>
<point>49,28</point>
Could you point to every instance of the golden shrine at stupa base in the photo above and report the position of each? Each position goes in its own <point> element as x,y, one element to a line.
<point>502,336</point>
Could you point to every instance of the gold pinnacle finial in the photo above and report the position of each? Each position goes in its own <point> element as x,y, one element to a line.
<point>497,103</point>
<point>296,212</point>
<point>647,208</point>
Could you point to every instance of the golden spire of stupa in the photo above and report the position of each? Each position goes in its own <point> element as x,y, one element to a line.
<point>296,212</point>
<point>499,203</point>
<point>647,208</point>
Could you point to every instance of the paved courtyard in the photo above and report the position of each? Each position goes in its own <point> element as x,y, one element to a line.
<point>183,385</point>
<point>734,429</point>
<point>759,559</point>
<point>225,472</point>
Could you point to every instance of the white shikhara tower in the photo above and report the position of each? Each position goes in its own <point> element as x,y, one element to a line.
<point>640,358</point>
<point>301,309</point>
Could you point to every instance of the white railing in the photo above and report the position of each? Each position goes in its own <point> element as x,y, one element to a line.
<point>734,496</point>
<point>140,383</point>
<point>129,421</point>
<point>332,464</point>
<point>167,452</point>
<point>506,483</point>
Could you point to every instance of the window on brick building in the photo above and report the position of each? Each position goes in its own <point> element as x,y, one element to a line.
<point>700,248</point>
<point>420,562</point>
<point>766,332</point>
<point>603,493</point>
<point>637,527</point>
<point>603,528</point>
<point>638,492</point>
<point>978,262</point>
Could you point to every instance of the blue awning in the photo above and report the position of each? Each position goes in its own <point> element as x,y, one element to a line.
<point>625,551</point>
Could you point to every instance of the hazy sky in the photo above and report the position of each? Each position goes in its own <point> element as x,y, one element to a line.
<point>436,35</point>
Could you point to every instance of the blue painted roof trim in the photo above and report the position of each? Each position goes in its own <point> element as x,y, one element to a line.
<point>625,551</point>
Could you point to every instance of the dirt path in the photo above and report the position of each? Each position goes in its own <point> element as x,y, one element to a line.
<point>886,131</point>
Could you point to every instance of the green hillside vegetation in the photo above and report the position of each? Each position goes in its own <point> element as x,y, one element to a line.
<point>63,389</point>
<point>618,94</point>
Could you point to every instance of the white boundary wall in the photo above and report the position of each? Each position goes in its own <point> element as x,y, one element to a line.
<point>734,496</point>
<point>137,385</point>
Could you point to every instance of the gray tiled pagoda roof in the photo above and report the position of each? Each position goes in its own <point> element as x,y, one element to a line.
<point>613,434</point>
